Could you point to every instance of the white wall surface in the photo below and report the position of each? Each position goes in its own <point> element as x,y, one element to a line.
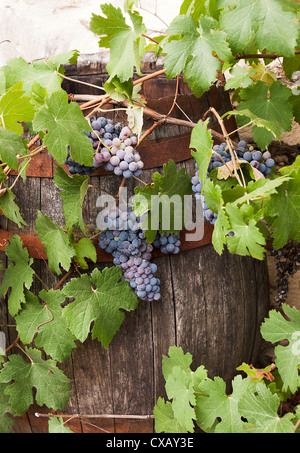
<point>40,28</point>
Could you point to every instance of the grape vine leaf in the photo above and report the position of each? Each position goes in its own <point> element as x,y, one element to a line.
<point>115,34</point>
<point>18,274</point>
<point>56,426</point>
<point>240,77</point>
<point>164,199</point>
<point>5,408</point>
<point>11,145</point>
<point>73,190</point>
<point>277,328</point>
<point>64,123</point>
<point>52,386</point>
<point>201,140</point>
<point>247,239</point>
<point>56,243</point>
<point>283,211</point>
<point>10,209</point>
<point>195,53</point>
<point>214,403</point>
<point>268,103</point>
<point>180,389</point>
<point>181,383</point>
<point>42,72</point>
<point>165,420</point>
<point>260,408</point>
<point>99,298</point>
<point>45,321</point>
<point>85,248</point>
<point>260,22</point>
<point>15,107</point>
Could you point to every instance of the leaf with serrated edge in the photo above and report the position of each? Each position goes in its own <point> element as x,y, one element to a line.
<point>5,422</point>
<point>164,418</point>
<point>56,243</point>
<point>283,211</point>
<point>17,275</point>
<point>56,426</point>
<point>73,190</point>
<point>99,298</point>
<point>260,408</point>
<point>276,328</point>
<point>85,248</point>
<point>260,22</point>
<point>10,209</point>
<point>52,386</point>
<point>194,54</point>
<point>115,34</point>
<point>15,108</point>
<point>64,123</point>
<point>11,145</point>
<point>201,140</point>
<point>214,404</point>
<point>46,320</point>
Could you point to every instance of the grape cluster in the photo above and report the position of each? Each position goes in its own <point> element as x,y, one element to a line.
<point>167,243</point>
<point>261,161</point>
<point>124,239</point>
<point>114,148</point>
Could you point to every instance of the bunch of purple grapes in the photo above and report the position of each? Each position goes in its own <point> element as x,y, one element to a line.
<point>114,148</point>
<point>123,238</point>
<point>167,243</point>
<point>261,161</point>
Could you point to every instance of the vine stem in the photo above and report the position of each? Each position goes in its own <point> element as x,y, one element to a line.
<point>267,56</point>
<point>45,322</point>
<point>17,344</point>
<point>64,278</point>
<point>12,345</point>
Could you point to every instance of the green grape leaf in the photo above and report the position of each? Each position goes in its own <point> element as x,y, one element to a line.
<point>194,53</point>
<point>240,77</point>
<point>5,408</point>
<point>46,322</point>
<point>165,422</point>
<point>15,108</point>
<point>261,188</point>
<point>214,403</point>
<point>116,35</point>
<point>99,298</point>
<point>56,243</point>
<point>268,103</point>
<point>221,229</point>
<point>18,274</point>
<point>201,140</point>
<point>260,408</point>
<point>11,145</point>
<point>247,239</point>
<point>179,388</point>
<point>283,212</point>
<point>176,358</point>
<point>73,190</point>
<point>64,123</point>
<point>52,386</point>
<point>260,123</point>
<point>277,328</point>
<point>164,200</point>
<point>10,209</point>
<point>41,72</point>
<point>85,248</point>
<point>56,426</point>
<point>260,22</point>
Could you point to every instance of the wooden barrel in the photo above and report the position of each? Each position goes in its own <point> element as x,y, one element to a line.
<point>211,305</point>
